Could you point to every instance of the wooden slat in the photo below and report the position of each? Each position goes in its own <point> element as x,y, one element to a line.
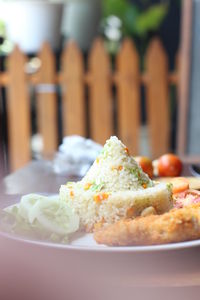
<point>73,101</point>
<point>184,78</point>
<point>18,109</point>
<point>101,114</point>
<point>158,114</point>
<point>4,78</point>
<point>46,101</point>
<point>128,88</point>
<point>34,78</point>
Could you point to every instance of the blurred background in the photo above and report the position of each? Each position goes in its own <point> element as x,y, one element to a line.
<point>82,20</point>
<point>120,75</point>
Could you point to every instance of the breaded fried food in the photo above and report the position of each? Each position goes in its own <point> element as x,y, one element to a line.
<point>177,225</point>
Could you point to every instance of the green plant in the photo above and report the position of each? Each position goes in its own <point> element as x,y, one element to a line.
<point>136,21</point>
<point>2,29</point>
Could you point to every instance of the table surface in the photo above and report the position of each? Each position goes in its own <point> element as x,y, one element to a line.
<point>39,177</point>
<point>36,177</point>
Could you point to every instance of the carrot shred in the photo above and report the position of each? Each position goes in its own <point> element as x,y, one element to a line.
<point>180,184</point>
<point>71,194</point>
<point>127,151</point>
<point>98,198</point>
<point>87,186</point>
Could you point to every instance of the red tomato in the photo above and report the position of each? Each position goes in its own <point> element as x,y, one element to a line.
<point>169,165</point>
<point>146,165</point>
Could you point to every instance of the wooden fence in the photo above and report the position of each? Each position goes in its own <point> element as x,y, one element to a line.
<point>103,112</point>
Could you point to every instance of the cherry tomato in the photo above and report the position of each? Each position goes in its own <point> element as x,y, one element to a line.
<point>169,165</point>
<point>180,184</point>
<point>146,165</point>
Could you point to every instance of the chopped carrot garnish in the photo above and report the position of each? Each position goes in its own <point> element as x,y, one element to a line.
<point>100,197</point>
<point>144,185</point>
<point>87,186</point>
<point>71,194</point>
<point>127,151</point>
<point>97,198</point>
<point>119,168</point>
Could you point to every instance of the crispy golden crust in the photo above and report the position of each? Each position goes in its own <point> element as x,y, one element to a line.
<point>176,225</point>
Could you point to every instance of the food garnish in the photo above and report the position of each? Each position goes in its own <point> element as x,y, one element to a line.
<point>42,217</point>
<point>71,193</point>
<point>126,150</point>
<point>98,198</point>
<point>180,184</point>
<point>87,186</point>
<point>186,197</point>
<point>97,187</point>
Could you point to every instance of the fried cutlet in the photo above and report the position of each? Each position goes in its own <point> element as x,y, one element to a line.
<point>176,225</point>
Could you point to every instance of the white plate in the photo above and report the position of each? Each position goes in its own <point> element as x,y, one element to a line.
<point>85,270</point>
<point>86,242</point>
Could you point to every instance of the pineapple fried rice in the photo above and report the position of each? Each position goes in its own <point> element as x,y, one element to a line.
<point>115,187</point>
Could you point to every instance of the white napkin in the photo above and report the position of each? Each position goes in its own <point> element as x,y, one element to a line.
<point>75,155</point>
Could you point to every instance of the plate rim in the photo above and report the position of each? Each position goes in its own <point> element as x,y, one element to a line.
<point>99,248</point>
<point>103,248</point>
